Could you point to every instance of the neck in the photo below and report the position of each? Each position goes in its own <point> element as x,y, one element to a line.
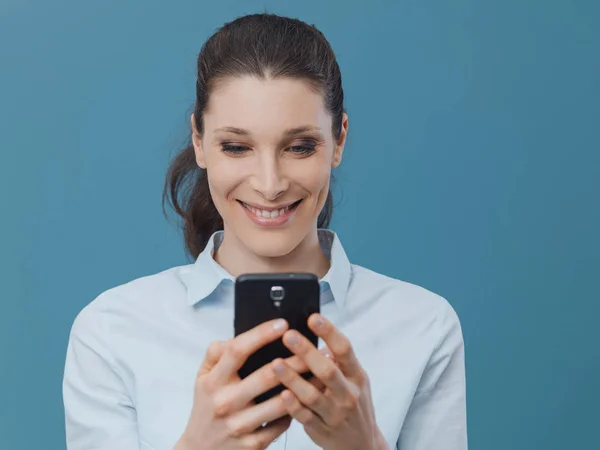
<point>237,259</point>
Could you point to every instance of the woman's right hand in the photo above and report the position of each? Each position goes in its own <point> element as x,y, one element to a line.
<point>224,416</point>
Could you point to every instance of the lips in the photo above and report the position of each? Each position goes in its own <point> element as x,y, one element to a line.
<point>274,217</point>
<point>269,214</point>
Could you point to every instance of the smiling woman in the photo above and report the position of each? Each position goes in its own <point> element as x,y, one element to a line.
<point>153,363</point>
<point>263,120</point>
<point>267,144</point>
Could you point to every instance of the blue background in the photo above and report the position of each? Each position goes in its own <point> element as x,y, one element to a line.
<point>472,168</point>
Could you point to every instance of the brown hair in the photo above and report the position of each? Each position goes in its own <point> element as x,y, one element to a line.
<point>262,45</point>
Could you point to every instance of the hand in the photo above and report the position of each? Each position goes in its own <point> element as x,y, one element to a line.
<point>224,415</point>
<point>342,415</point>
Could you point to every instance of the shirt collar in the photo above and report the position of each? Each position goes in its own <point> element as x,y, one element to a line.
<point>206,274</point>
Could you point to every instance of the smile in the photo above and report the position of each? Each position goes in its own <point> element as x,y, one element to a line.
<point>270,217</point>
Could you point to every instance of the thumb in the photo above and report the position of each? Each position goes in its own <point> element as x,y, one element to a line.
<point>213,354</point>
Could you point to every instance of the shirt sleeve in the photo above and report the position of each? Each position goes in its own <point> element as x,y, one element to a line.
<point>436,418</point>
<point>99,413</point>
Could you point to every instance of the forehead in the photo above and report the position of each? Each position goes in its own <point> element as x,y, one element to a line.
<point>265,104</point>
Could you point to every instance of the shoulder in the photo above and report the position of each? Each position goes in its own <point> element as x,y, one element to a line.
<point>400,299</point>
<point>129,302</point>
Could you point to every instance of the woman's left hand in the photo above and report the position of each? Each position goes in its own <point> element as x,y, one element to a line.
<point>340,417</point>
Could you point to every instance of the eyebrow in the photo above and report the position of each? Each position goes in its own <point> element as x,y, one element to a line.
<point>288,132</point>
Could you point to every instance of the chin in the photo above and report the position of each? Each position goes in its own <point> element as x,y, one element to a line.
<point>271,243</point>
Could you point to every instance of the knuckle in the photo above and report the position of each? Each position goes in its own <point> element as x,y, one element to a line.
<point>253,443</point>
<point>337,421</point>
<point>306,417</point>
<point>236,351</point>
<point>214,348</point>
<point>329,373</point>
<point>352,401</point>
<point>205,384</point>
<point>281,406</point>
<point>363,379</point>
<point>296,363</point>
<point>345,349</point>
<point>235,429</point>
<point>268,376</point>
<point>313,398</point>
<point>222,407</point>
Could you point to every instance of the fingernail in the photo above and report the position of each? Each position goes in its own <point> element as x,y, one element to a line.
<point>278,368</point>
<point>319,322</point>
<point>279,324</point>
<point>287,397</point>
<point>293,339</point>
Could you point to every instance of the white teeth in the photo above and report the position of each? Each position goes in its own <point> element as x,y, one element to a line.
<point>267,214</point>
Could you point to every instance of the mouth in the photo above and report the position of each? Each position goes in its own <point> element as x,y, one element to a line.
<point>271,216</point>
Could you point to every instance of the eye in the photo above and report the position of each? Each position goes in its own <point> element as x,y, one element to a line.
<point>234,149</point>
<point>304,148</point>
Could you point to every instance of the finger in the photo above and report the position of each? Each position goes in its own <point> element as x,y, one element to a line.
<point>250,419</point>
<point>238,349</point>
<point>298,364</point>
<point>322,367</point>
<point>317,383</point>
<point>302,414</point>
<point>236,396</point>
<point>338,343</point>
<point>306,392</point>
<point>263,437</point>
<point>213,353</point>
<point>241,394</point>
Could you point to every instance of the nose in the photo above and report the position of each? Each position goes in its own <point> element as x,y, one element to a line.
<point>268,180</point>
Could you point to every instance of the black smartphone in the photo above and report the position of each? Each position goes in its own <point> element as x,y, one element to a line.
<point>267,296</point>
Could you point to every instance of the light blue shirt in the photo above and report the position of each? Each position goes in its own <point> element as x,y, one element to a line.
<point>134,354</point>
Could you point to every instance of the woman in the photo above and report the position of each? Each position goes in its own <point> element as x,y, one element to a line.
<point>153,363</point>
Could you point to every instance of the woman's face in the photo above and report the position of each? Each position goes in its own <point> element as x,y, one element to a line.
<point>268,150</point>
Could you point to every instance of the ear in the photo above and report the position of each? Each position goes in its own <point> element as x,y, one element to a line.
<point>339,146</point>
<point>197,141</point>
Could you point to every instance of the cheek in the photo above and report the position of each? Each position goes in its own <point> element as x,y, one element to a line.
<point>323,174</point>
<point>315,179</point>
<point>223,178</point>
